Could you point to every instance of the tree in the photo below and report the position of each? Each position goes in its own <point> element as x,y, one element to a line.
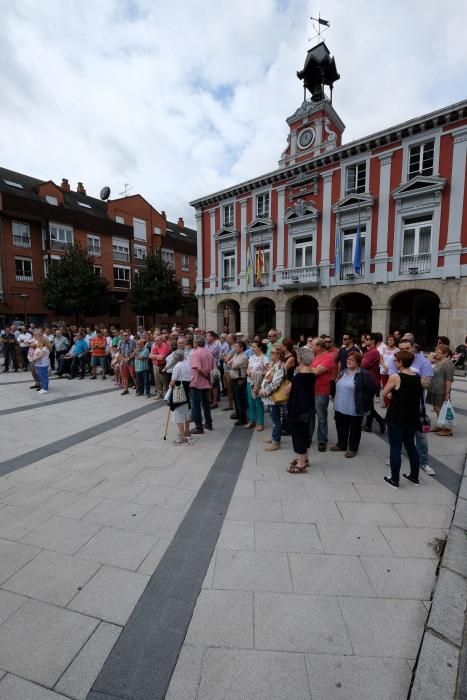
<point>155,289</point>
<point>73,287</point>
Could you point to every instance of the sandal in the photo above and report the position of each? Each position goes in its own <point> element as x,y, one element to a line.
<point>294,462</point>
<point>295,469</point>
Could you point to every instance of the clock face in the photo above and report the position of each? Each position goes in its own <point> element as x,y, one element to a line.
<point>306,137</point>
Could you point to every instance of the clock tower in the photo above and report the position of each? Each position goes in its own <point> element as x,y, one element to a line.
<point>315,127</point>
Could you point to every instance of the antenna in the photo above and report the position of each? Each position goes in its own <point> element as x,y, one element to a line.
<point>126,190</point>
<point>319,27</point>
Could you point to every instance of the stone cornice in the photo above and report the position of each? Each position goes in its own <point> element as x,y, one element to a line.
<point>428,184</point>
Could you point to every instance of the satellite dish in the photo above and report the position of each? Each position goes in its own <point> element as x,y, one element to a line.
<point>105,193</point>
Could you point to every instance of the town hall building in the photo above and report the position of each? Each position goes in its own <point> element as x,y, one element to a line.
<point>342,237</point>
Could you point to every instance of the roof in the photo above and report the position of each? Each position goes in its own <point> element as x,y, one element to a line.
<point>387,137</point>
<point>183,239</point>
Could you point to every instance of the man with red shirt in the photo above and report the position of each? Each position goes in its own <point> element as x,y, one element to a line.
<point>202,363</point>
<point>159,351</point>
<point>371,362</point>
<point>98,346</point>
<point>324,366</point>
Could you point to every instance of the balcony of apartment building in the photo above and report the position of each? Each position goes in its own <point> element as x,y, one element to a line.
<point>348,272</point>
<point>306,276</point>
<point>415,264</point>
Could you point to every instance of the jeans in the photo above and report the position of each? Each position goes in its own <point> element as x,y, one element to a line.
<point>349,431</point>
<point>142,382</point>
<point>78,365</point>
<point>275,411</point>
<point>10,353</point>
<point>43,373</point>
<point>373,414</point>
<point>422,447</point>
<point>321,410</point>
<point>255,408</point>
<point>158,380</point>
<point>240,398</point>
<point>198,397</point>
<point>24,357</point>
<point>402,435</point>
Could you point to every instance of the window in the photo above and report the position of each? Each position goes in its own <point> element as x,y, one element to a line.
<point>120,249</point>
<point>228,269</point>
<point>303,252</point>
<point>51,200</point>
<point>185,285</point>
<point>48,260</point>
<point>355,178</point>
<point>61,238</point>
<point>185,263</point>
<point>84,204</point>
<point>94,246</point>
<point>140,321</point>
<point>140,252</point>
<point>21,234</point>
<point>349,244</point>
<point>139,228</point>
<point>168,256</point>
<point>157,231</point>
<point>262,204</point>
<point>97,270</point>
<point>421,158</point>
<point>23,269</point>
<point>416,245</point>
<point>122,277</point>
<point>262,266</point>
<point>11,183</point>
<point>228,215</point>
<point>119,219</point>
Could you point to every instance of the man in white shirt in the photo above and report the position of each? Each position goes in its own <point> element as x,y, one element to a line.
<point>24,339</point>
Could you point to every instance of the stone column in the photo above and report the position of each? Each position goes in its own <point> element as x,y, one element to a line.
<point>453,247</point>
<point>280,229</point>
<point>199,253</point>
<point>380,316</point>
<point>326,320</point>
<point>283,321</point>
<point>381,257</point>
<point>212,230</point>
<point>325,264</point>
<point>243,225</point>
<point>247,319</point>
<point>444,319</point>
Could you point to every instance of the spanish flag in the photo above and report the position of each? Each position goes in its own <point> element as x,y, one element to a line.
<point>259,265</point>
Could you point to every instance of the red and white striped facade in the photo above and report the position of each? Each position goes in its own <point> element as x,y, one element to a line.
<point>274,237</point>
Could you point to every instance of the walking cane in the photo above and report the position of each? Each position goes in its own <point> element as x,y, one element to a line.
<point>167,425</point>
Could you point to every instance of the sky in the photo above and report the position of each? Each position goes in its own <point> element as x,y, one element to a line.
<point>183,98</point>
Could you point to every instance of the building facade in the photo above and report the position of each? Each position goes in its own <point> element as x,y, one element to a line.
<point>40,220</point>
<point>370,234</point>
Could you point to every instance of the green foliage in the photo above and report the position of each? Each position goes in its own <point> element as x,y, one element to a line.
<point>156,289</point>
<point>72,286</point>
<point>190,306</point>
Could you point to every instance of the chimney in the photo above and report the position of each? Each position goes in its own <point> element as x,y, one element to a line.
<point>181,223</point>
<point>65,185</point>
<point>164,215</point>
<point>80,188</point>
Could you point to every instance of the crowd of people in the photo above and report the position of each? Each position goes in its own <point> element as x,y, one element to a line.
<point>195,370</point>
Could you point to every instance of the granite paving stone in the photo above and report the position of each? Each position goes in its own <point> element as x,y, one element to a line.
<point>13,556</point>
<point>434,681</point>
<point>460,518</point>
<point>63,535</point>
<point>14,688</point>
<point>126,516</point>
<point>302,510</point>
<point>151,562</point>
<point>449,604</point>
<point>24,496</point>
<point>76,482</point>
<point>209,578</point>
<point>222,619</point>
<point>69,504</point>
<point>164,497</point>
<point>252,675</point>
<point>110,595</point>
<point>369,513</point>
<point>425,515</point>
<point>384,627</point>
<point>429,492</point>
<point>300,623</point>
<point>323,574</point>
<point>252,571</point>
<point>353,539</point>
<point>186,677</point>
<point>40,640</point>
<point>265,509</point>
<point>51,577</point>
<point>237,535</point>
<point>335,677</point>
<point>9,604</point>
<point>117,489</point>
<point>287,537</point>
<point>15,523</point>
<point>410,578</point>
<point>77,680</point>
<point>414,541</point>
<point>455,555</point>
<point>118,548</point>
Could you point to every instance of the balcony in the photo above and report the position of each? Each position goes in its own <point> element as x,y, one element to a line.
<point>415,264</point>
<point>94,251</point>
<point>118,255</point>
<point>24,278</point>
<point>308,276</point>
<point>263,281</point>
<point>59,245</point>
<point>21,241</point>
<point>228,283</point>
<point>139,262</point>
<point>348,271</point>
<point>122,284</point>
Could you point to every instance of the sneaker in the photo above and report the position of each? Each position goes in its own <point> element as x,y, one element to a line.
<point>273,447</point>
<point>391,482</point>
<point>336,448</point>
<point>180,443</point>
<point>207,427</point>
<point>43,391</point>
<point>427,469</point>
<point>124,392</point>
<point>322,447</point>
<point>197,431</point>
<point>349,454</point>
<point>410,478</point>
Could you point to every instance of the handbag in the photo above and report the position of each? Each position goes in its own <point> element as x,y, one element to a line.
<point>424,420</point>
<point>214,375</point>
<point>447,417</point>
<point>178,393</point>
<point>281,394</point>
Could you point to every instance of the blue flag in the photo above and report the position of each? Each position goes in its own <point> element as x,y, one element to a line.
<point>337,255</point>
<point>357,258</point>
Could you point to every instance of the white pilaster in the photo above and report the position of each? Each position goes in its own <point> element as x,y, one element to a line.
<point>326,320</point>
<point>453,247</point>
<point>280,227</point>
<point>381,257</point>
<point>199,253</point>
<point>212,230</point>
<point>380,317</point>
<point>326,229</point>
<point>243,225</point>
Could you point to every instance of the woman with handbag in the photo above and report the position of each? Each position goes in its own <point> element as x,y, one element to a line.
<point>300,406</point>
<point>258,364</point>
<point>275,388</point>
<point>238,369</point>
<point>440,387</point>
<point>180,398</point>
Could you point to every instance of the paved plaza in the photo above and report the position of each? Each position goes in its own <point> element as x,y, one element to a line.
<point>135,569</point>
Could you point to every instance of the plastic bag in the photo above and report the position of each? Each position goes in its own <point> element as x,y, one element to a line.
<point>447,417</point>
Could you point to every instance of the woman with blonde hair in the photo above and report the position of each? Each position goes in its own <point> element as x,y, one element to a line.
<point>41,362</point>
<point>273,379</point>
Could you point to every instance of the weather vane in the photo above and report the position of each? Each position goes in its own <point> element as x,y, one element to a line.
<point>321,27</point>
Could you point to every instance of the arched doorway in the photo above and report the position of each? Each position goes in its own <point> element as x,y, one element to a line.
<point>303,317</point>
<point>264,315</point>
<point>353,315</point>
<point>416,311</point>
<point>228,316</point>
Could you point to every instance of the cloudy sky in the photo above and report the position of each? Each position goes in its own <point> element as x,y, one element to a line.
<point>183,98</point>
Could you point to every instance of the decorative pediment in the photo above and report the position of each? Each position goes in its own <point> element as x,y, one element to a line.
<point>419,185</point>
<point>301,211</point>
<point>353,201</point>
<point>260,224</point>
<point>226,233</point>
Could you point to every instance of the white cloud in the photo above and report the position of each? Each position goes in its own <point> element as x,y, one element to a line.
<point>181,99</point>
